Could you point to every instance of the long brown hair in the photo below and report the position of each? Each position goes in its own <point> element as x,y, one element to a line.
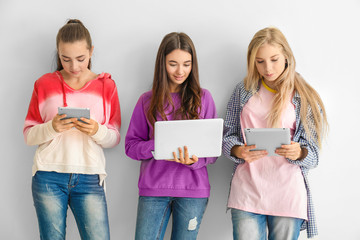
<point>74,30</point>
<point>288,82</point>
<point>190,90</point>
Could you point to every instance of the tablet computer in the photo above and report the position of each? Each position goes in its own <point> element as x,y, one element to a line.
<point>203,137</point>
<point>72,112</point>
<point>268,139</point>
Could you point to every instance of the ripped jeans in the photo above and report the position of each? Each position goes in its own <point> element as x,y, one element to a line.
<point>154,213</point>
<point>53,192</point>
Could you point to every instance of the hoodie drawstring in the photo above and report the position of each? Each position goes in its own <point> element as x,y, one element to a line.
<point>103,92</point>
<point>64,95</point>
<point>103,98</point>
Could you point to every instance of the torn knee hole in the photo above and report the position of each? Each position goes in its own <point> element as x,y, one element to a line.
<point>192,224</point>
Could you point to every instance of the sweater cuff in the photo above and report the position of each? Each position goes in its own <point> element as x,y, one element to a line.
<point>100,134</point>
<point>195,165</point>
<point>227,147</point>
<point>304,153</point>
<point>51,130</point>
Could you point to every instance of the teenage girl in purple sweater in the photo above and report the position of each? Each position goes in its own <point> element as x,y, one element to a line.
<point>178,186</point>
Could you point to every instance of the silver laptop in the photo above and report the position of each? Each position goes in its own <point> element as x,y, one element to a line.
<point>203,137</point>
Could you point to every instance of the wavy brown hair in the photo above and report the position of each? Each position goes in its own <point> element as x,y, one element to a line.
<point>190,91</point>
<point>74,30</point>
<point>288,82</point>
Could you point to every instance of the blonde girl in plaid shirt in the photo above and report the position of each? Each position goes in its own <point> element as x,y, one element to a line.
<point>277,71</point>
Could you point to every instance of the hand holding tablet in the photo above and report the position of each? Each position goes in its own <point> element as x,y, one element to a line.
<point>261,142</point>
<point>248,153</point>
<point>60,123</point>
<point>268,139</point>
<point>79,118</point>
<point>74,113</point>
<point>292,151</point>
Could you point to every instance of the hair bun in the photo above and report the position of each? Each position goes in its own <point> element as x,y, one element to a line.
<point>74,21</point>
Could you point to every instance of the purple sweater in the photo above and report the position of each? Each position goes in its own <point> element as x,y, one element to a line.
<point>161,177</point>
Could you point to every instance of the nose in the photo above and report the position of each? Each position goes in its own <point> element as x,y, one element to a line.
<point>268,66</point>
<point>179,70</point>
<point>73,65</point>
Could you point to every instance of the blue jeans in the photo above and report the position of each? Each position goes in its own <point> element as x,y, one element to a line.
<point>154,213</point>
<point>252,226</point>
<point>53,192</point>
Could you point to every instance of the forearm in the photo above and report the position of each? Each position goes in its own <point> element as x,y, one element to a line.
<point>309,158</point>
<point>106,137</point>
<point>139,149</point>
<point>202,162</point>
<point>310,151</point>
<point>40,133</point>
<point>229,143</point>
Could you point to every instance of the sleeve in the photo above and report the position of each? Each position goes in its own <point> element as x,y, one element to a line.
<point>108,135</point>
<point>138,145</point>
<point>209,109</point>
<point>309,143</point>
<point>232,127</point>
<point>35,130</point>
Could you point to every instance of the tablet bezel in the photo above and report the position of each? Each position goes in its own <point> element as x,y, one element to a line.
<point>74,112</point>
<point>268,139</point>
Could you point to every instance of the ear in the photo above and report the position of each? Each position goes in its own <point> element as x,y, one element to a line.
<point>91,51</point>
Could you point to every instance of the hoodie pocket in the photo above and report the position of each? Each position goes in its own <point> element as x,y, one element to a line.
<point>46,150</point>
<point>72,148</point>
<point>93,152</point>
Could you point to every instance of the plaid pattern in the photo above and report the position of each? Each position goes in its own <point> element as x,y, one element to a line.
<point>233,136</point>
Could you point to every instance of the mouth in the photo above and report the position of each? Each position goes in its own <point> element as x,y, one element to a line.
<point>179,78</point>
<point>269,75</point>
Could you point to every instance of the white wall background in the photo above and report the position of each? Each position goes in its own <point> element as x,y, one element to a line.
<point>324,36</point>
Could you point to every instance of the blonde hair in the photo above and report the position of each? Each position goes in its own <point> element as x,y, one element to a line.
<point>288,82</point>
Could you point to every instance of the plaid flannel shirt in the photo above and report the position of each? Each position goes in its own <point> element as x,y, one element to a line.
<point>233,136</point>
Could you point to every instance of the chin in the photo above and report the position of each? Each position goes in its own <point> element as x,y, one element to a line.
<point>273,78</point>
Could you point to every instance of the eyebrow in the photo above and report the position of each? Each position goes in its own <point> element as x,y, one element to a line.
<point>188,61</point>
<point>81,56</point>
<point>270,57</point>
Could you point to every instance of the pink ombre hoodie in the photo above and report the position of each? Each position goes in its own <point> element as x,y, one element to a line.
<point>72,151</point>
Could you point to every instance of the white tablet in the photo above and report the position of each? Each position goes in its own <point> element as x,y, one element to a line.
<point>74,112</point>
<point>268,139</point>
<point>203,137</point>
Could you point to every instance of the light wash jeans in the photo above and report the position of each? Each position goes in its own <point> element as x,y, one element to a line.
<point>154,213</point>
<point>252,226</point>
<point>53,192</point>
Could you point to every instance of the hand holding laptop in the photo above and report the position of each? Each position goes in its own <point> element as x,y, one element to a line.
<point>205,140</point>
<point>184,158</point>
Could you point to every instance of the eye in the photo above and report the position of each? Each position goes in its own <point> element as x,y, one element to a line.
<point>274,60</point>
<point>172,65</point>
<point>81,60</point>
<point>66,60</point>
<point>187,65</point>
<point>259,61</point>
